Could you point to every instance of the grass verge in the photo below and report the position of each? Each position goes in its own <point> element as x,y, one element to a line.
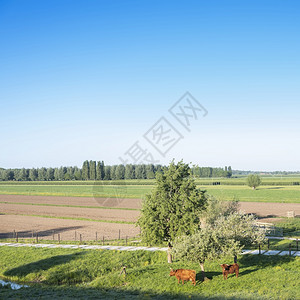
<point>95,274</point>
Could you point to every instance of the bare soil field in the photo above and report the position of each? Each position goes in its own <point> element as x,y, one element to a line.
<point>71,212</point>
<point>79,201</point>
<point>259,208</point>
<point>264,209</point>
<point>24,225</point>
<point>14,220</point>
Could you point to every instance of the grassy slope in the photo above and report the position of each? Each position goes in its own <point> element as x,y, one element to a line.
<point>286,194</point>
<point>82,274</point>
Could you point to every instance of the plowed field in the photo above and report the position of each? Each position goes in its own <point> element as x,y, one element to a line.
<point>86,216</point>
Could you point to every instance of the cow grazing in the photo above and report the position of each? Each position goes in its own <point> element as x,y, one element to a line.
<point>230,269</point>
<point>184,275</point>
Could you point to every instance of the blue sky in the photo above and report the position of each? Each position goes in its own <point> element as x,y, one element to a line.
<point>86,79</point>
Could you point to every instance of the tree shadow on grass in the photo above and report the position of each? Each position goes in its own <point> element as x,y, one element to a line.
<point>262,261</point>
<point>41,233</point>
<point>46,292</point>
<point>43,264</point>
<point>209,275</point>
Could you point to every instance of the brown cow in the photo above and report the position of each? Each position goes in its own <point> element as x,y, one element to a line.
<point>230,269</point>
<point>184,274</point>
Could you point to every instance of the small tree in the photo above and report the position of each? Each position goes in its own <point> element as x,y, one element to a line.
<point>204,245</point>
<point>227,236</point>
<point>215,208</point>
<point>253,181</point>
<point>173,208</point>
<point>241,228</point>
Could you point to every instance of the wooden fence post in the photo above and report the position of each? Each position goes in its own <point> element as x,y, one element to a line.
<point>126,240</point>
<point>96,236</point>
<point>53,235</point>
<point>75,236</point>
<point>17,239</point>
<point>37,237</point>
<point>297,245</point>
<point>119,234</point>
<point>58,238</point>
<point>103,241</point>
<point>268,244</point>
<point>290,249</point>
<point>80,238</point>
<point>259,249</point>
<point>169,253</point>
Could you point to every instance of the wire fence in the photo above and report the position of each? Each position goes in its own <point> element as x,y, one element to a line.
<point>53,236</point>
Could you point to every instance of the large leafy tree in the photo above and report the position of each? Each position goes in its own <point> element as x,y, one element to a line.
<point>174,206</point>
<point>253,181</point>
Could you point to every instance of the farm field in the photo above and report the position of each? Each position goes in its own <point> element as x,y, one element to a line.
<point>65,215</point>
<point>266,193</point>
<point>95,274</point>
<point>106,209</point>
<point>128,216</point>
<point>25,225</point>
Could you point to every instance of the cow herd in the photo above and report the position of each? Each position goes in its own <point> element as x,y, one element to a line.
<point>190,275</point>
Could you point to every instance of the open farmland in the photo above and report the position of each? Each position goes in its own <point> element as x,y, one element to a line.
<point>265,193</point>
<point>90,207</point>
<point>124,216</point>
<point>46,227</point>
<point>65,215</point>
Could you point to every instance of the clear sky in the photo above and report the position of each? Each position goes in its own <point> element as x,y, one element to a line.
<point>87,79</point>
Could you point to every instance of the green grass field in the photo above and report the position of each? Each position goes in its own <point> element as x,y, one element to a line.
<point>271,193</point>
<point>90,274</point>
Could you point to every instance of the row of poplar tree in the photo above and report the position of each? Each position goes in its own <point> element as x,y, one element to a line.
<point>97,170</point>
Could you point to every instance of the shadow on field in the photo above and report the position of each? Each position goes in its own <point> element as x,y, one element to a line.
<point>44,292</point>
<point>43,264</point>
<point>254,263</point>
<point>42,233</point>
<point>264,217</point>
<point>209,275</point>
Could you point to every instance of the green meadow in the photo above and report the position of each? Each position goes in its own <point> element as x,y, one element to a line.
<point>138,189</point>
<point>95,274</point>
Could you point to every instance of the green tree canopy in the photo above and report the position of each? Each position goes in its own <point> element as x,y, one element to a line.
<point>226,236</point>
<point>253,181</point>
<point>173,208</point>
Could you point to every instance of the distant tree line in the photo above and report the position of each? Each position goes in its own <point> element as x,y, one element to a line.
<point>273,173</point>
<point>207,172</point>
<point>97,170</point>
